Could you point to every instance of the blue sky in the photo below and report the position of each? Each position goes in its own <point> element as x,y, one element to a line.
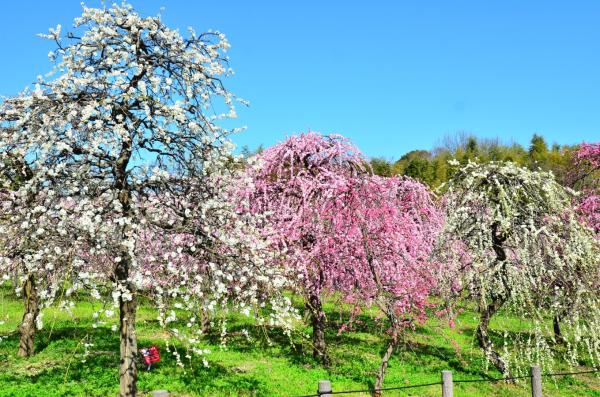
<point>393,76</point>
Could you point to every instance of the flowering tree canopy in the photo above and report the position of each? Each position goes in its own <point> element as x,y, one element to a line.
<point>344,230</point>
<point>586,177</point>
<point>385,229</point>
<point>123,144</point>
<point>515,241</point>
<point>295,183</point>
<point>35,247</point>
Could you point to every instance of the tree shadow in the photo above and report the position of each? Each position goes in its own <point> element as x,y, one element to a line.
<point>96,372</point>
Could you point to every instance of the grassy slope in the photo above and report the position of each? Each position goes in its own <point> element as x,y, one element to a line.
<point>252,368</point>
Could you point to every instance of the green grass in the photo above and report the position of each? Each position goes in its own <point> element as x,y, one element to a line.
<point>258,368</point>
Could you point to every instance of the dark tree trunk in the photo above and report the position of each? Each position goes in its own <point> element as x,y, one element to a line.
<point>127,306</point>
<point>497,301</point>
<point>388,309</point>
<point>31,312</point>
<point>383,366</point>
<point>318,322</point>
<point>205,321</point>
<point>484,339</point>
<point>127,311</point>
<point>557,332</point>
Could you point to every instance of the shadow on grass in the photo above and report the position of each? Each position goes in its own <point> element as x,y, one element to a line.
<point>61,367</point>
<point>355,353</point>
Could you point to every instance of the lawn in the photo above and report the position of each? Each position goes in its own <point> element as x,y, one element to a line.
<point>278,367</point>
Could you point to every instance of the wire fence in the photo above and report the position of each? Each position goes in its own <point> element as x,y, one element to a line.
<point>372,391</point>
<point>324,388</point>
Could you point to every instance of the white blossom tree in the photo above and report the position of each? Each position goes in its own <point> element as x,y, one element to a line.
<point>124,143</point>
<point>514,242</point>
<point>32,251</point>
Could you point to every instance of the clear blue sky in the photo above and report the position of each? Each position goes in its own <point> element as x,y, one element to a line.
<point>391,75</point>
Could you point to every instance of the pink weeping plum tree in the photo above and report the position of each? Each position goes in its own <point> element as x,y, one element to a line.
<point>343,230</point>
<point>586,178</point>
<point>385,231</point>
<point>293,183</point>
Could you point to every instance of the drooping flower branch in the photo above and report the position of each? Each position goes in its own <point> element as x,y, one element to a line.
<point>516,242</point>
<point>585,176</point>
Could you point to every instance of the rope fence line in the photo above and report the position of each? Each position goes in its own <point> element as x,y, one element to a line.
<point>319,394</point>
<point>491,380</point>
<point>593,371</point>
<point>325,390</point>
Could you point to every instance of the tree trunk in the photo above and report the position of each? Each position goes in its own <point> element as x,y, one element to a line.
<point>498,300</point>
<point>317,318</point>
<point>28,325</point>
<point>384,363</point>
<point>15,281</point>
<point>127,311</point>
<point>557,332</point>
<point>388,308</point>
<point>484,339</point>
<point>127,305</point>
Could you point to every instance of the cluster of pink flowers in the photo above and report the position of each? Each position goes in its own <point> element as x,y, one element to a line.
<point>345,232</point>
<point>587,161</point>
<point>343,229</point>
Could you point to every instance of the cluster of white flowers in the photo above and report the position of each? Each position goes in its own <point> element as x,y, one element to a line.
<point>120,177</point>
<point>513,237</point>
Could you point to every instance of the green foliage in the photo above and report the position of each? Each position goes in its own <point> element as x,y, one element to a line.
<point>431,167</point>
<point>416,164</point>
<point>538,150</point>
<point>381,166</point>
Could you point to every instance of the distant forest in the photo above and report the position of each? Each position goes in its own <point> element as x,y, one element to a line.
<point>432,168</point>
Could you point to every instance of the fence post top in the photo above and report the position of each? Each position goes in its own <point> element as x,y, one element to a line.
<point>324,384</point>
<point>324,388</point>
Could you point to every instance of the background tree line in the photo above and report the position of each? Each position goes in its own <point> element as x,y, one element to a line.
<point>432,168</point>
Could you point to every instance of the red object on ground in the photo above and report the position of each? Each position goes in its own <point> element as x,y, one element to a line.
<point>150,354</point>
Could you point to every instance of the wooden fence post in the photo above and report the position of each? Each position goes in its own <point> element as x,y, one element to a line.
<point>447,387</point>
<point>324,388</point>
<point>160,393</point>
<point>536,381</point>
